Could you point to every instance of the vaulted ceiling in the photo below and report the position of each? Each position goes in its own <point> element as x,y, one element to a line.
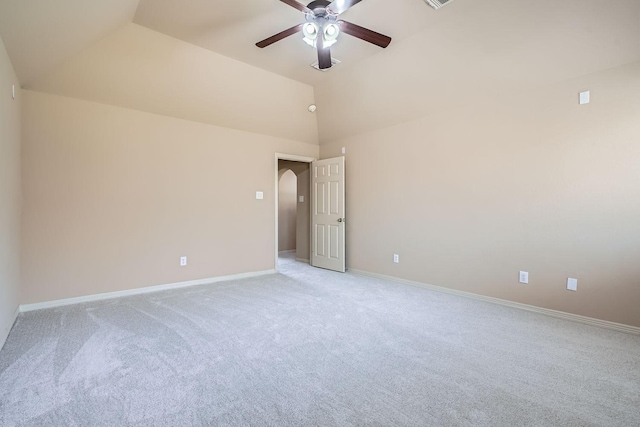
<point>232,27</point>
<point>39,34</point>
<point>436,58</point>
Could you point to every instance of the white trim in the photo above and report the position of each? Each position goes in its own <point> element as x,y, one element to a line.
<point>289,251</point>
<point>305,260</point>
<point>293,158</point>
<point>3,338</point>
<point>129,292</point>
<point>546,311</point>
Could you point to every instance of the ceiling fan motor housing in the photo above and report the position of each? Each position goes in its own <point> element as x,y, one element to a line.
<point>319,4</point>
<point>319,11</point>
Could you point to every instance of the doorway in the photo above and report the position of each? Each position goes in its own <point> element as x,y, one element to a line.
<point>293,208</point>
<point>320,187</point>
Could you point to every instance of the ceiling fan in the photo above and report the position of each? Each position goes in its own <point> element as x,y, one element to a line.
<point>322,28</point>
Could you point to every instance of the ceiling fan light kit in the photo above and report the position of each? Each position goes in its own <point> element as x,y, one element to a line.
<point>312,31</point>
<point>322,28</point>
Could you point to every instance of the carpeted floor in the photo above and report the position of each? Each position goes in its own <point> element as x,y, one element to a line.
<point>308,347</point>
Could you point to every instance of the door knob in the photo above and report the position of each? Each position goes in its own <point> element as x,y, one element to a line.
<point>340,219</point>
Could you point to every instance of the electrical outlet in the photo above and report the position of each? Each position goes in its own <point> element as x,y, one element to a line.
<point>183,261</point>
<point>572,284</point>
<point>524,277</point>
<point>396,258</point>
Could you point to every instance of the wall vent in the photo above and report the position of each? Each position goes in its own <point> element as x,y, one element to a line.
<point>437,4</point>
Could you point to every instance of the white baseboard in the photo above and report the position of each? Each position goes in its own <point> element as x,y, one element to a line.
<point>287,251</point>
<point>5,334</point>
<point>129,292</point>
<point>303,260</point>
<point>546,311</point>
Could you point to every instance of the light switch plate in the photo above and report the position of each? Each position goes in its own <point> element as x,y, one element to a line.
<point>259,195</point>
<point>301,199</point>
<point>572,284</point>
<point>344,150</point>
<point>585,97</point>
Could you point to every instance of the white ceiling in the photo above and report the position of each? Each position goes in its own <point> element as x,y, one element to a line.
<point>40,34</point>
<point>232,27</point>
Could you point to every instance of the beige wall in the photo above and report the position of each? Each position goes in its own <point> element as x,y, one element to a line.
<point>471,159</point>
<point>287,188</point>
<point>135,67</point>
<point>113,197</point>
<point>524,181</point>
<point>10,194</point>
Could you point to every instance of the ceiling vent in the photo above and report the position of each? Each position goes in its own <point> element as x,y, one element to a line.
<point>437,4</point>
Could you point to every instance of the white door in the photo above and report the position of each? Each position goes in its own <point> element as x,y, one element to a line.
<point>327,214</point>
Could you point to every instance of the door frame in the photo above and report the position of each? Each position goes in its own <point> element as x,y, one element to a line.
<point>293,158</point>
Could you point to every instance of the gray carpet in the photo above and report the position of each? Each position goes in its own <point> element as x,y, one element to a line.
<point>308,347</point>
